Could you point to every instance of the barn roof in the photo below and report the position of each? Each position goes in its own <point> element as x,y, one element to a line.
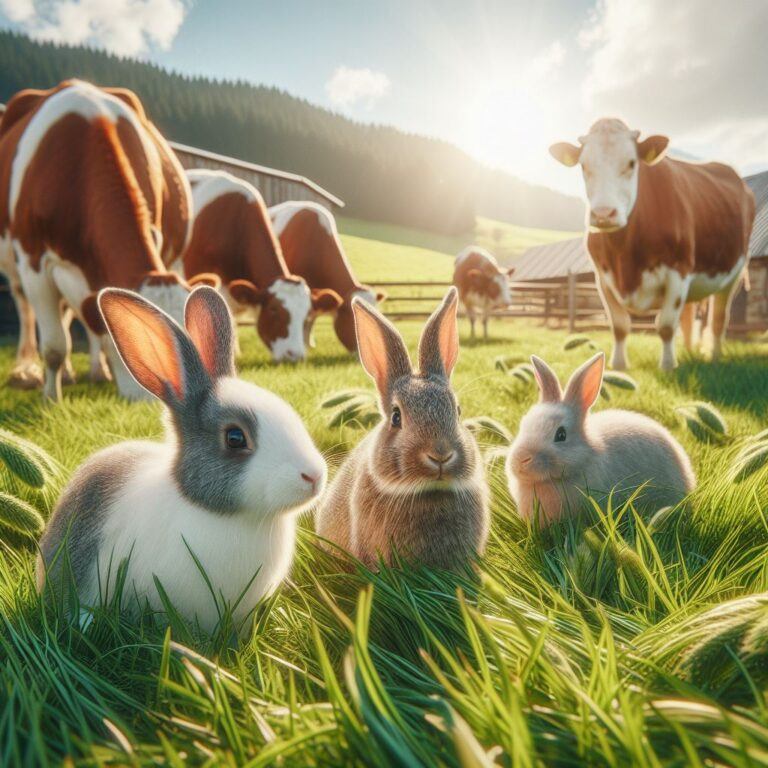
<point>758,245</point>
<point>545,262</point>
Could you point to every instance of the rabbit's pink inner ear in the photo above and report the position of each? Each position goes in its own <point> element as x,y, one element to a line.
<point>372,346</point>
<point>584,386</point>
<point>145,340</point>
<point>549,386</point>
<point>209,325</point>
<point>448,336</point>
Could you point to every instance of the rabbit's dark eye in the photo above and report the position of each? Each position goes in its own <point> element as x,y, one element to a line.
<point>560,435</point>
<point>397,418</point>
<point>235,439</point>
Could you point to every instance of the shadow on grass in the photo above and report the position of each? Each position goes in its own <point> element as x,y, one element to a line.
<point>737,381</point>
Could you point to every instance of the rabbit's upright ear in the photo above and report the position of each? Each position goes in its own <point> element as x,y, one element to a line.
<point>549,385</point>
<point>381,347</point>
<point>209,324</point>
<point>439,344</point>
<point>584,386</point>
<point>154,348</point>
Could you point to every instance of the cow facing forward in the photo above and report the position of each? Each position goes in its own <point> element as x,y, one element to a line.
<point>312,249</point>
<point>483,285</point>
<point>663,234</point>
<point>81,198</point>
<point>232,237</point>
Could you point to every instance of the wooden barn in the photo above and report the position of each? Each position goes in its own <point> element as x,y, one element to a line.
<point>275,186</point>
<point>559,277</point>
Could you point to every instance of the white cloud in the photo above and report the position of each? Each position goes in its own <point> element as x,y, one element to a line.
<point>349,87</point>
<point>694,70</point>
<point>124,27</point>
<point>549,60</point>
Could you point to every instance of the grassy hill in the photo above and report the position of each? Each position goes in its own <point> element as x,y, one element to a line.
<point>386,252</point>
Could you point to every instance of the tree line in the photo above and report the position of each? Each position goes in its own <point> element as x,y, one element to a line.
<point>381,173</point>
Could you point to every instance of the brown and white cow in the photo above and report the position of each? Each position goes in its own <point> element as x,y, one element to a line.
<point>232,237</point>
<point>81,198</point>
<point>483,285</point>
<point>173,234</point>
<point>663,234</point>
<point>312,249</point>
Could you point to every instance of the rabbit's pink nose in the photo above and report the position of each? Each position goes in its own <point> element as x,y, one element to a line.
<point>440,459</point>
<point>524,459</point>
<point>313,480</point>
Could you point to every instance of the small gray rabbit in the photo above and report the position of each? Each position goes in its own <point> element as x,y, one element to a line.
<point>224,487</point>
<point>416,482</point>
<point>561,451</point>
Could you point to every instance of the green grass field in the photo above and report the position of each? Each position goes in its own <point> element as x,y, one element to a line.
<point>379,252</point>
<point>608,640</point>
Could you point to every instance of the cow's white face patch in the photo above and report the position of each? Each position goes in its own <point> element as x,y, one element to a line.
<point>295,298</point>
<point>504,298</point>
<point>609,165</point>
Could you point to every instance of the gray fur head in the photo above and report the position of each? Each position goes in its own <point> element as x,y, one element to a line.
<point>553,442</point>
<point>238,447</point>
<point>421,443</point>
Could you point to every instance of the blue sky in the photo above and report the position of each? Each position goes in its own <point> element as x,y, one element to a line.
<point>500,79</point>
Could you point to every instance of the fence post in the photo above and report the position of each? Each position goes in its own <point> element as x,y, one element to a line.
<point>571,301</point>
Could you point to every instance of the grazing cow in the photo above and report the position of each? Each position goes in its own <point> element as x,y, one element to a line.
<point>663,234</point>
<point>312,249</point>
<point>483,285</point>
<point>232,237</point>
<point>173,234</point>
<point>81,195</point>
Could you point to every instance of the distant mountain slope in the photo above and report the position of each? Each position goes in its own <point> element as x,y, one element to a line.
<point>381,173</point>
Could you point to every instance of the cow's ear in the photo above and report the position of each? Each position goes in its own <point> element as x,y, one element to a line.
<point>325,300</point>
<point>211,279</point>
<point>565,153</point>
<point>91,314</point>
<point>652,149</point>
<point>245,292</point>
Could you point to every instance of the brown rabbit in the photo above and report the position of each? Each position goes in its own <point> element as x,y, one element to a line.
<point>415,484</point>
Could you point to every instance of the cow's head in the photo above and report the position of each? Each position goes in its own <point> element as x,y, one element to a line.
<point>287,309</point>
<point>609,156</point>
<point>344,322</point>
<point>491,281</point>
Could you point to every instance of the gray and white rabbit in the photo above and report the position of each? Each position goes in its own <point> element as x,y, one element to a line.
<point>563,451</point>
<point>225,486</point>
<point>416,482</point>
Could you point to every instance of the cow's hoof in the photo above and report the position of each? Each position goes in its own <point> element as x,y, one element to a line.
<point>26,376</point>
<point>99,376</point>
<point>68,376</point>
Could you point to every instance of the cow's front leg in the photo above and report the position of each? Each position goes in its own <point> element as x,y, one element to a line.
<point>719,314</point>
<point>668,319</point>
<point>621,324</point>
<point>471,316</point>
<point>26,372</point>
<point>45,298</point>
<point>687,320</point>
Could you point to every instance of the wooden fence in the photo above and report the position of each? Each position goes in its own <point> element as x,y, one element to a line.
<point>560,303</point>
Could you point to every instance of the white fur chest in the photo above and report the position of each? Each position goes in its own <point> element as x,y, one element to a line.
<point>158,529</point>
<point>653,288</point>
